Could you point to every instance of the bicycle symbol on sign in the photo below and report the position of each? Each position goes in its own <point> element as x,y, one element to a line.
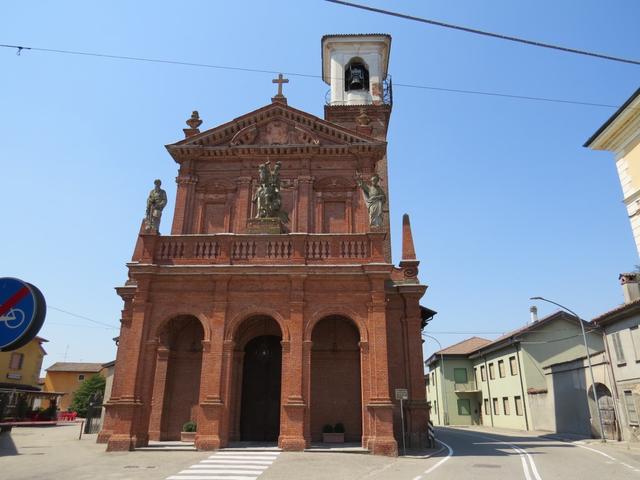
<point>13,318</point>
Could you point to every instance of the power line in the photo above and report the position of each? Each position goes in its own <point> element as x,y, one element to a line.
<point>82,317</point>
<point>485,33</point>
<point>80,326</point>
<point>20,48</point>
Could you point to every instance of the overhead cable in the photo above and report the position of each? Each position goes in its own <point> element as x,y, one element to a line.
<point>485,33</point>
<point>20,48</point>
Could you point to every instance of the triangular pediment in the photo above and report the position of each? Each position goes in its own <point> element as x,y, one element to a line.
<point>276,124</point>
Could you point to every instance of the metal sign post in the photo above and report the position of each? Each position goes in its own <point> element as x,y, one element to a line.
<point>402,394</point>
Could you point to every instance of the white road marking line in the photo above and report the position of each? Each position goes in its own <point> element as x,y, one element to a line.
<point>427,472</point>
<point>219,472</point>
<point>240,457</point>
<point>593,450</point>
<point>525,468</point>
<point>275,454</point>
<point>627,465</point>
<point>242,462</point>
<point>209,477</point>
<point>231,465</point>
<point>234,465</point>
<point>523,453</point>
<point>532,464</point>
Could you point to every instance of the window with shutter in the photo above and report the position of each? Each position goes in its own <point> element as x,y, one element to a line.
<point>617,346</point>
<point>630,403</point>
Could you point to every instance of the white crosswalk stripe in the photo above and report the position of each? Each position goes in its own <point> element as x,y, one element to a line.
<point>229,465</point>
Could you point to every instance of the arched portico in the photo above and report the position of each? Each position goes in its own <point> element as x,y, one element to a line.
<point>176,385</point>
<point>335,393</point>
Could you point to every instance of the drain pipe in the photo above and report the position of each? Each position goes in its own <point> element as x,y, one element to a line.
<point>488,377</point>
<point>524,399</point>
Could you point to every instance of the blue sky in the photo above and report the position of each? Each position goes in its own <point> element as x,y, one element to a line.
<point>504,200</point>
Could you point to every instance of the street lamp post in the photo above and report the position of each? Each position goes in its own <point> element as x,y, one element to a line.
<point>445,409</point>
<point>586,347</point>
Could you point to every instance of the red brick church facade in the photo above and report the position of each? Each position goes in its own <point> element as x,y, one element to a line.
<point>269,337</point>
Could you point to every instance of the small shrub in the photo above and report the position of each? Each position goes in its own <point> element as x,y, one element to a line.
<point>327,429</point>
<point>49,413</point>
<point>339,428</point>
<point>189,426</point>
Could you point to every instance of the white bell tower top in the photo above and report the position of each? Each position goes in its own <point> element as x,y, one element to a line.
<point>355,65</point>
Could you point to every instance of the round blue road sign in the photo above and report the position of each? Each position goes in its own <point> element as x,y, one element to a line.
<point>21,310</point>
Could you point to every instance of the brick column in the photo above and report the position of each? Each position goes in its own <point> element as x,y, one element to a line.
<point>124,406</point>
<point>380,407</point>
<point>293,412</point>
<point>306,380</point>
<point>417,414</point>
<point>210,406</point>
<point>159,385</point>
<point>243,193</point>
<point>304,199</point>
<point>210,409</point>
<point>185,198</point>
<point>227,428</point>
<point>365,385</point>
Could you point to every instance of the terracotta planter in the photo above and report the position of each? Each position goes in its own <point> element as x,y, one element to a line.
<point>188,437</point>
<point>333,438</point>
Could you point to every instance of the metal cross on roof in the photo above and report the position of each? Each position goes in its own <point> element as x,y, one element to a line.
<point>280,80</point>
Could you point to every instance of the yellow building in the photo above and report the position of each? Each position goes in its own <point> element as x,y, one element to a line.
<point>67,377</point>
<point>621,135</point>
<point>20,369</point>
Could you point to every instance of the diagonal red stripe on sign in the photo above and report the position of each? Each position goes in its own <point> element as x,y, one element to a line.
<point>13,300</point>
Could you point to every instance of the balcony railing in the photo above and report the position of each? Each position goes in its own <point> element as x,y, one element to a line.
<point>296,248</point>
<point>469,386</point>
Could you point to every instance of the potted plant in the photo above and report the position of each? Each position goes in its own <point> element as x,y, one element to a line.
<point>188,433</point>
<point>333,434</point>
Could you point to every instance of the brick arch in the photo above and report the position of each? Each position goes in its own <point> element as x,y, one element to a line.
<point>156,330</point>
<point>340,311</point>
<point>232,326</point>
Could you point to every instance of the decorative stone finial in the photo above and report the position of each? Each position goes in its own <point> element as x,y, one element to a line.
<point>194,122</point>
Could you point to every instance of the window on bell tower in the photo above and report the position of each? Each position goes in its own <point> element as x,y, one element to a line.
<point>356,76</point>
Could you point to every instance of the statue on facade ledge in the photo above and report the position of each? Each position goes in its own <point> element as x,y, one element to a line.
<point>374,197</point>
<point>267,198</point>
<point>156,202</point>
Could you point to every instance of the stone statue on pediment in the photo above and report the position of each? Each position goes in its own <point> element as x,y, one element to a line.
<point>374,197</point>
<point>156,202</point>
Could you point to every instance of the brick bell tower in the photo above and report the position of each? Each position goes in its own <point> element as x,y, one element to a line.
<point>264,329</point>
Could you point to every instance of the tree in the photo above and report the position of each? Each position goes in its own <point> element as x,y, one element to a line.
<point>84,394</point>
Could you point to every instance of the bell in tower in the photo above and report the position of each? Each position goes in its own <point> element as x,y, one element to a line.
<point>356,77</point>
<point>356,67</point>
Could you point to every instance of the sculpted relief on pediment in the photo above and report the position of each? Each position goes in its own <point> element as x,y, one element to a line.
<point>275,132</point>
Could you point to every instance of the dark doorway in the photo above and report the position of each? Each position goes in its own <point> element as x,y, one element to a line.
<point>261,373</point>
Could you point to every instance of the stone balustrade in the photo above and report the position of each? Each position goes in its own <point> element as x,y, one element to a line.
<point>296,248</point>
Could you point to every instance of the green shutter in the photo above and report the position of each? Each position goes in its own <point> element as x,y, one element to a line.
<point>464,406</point>
<point>460,375</point>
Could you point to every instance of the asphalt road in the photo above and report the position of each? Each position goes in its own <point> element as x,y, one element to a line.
<point>473,454</point>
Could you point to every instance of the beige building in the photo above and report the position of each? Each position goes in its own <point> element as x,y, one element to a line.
<point>20,369</point>
<point>621,135</point>
<point>621,327</point>
<point>66,377</point>
<point>516,381</point>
